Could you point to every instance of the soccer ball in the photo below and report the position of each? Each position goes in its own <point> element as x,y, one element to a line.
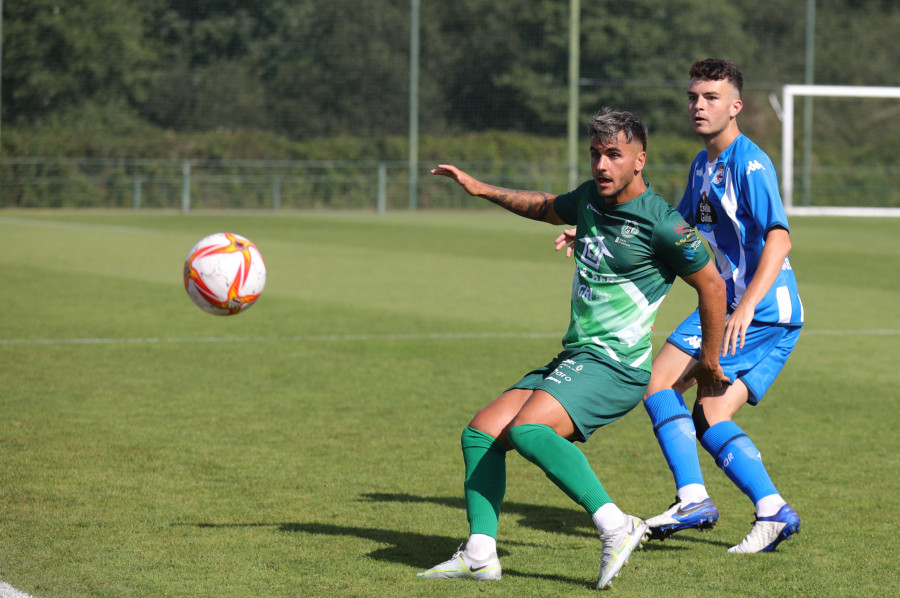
<point>224,274</point>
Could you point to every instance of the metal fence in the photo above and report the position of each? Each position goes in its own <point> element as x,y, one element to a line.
<point>187,185</point>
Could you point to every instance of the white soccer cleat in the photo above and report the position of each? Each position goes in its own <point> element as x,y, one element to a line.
<point>617,548</point>
<point>768,532</point>
<point>463,566</point>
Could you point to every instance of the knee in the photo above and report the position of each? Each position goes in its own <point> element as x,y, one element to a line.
<point>517,438</point>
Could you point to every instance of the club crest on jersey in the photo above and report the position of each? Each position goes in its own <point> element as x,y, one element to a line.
<point>630,229</point>
<point>592,251</point>
<point>719,175</point>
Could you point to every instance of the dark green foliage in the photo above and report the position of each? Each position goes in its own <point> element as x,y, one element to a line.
<point>306,70</point>
<point>304,80</point>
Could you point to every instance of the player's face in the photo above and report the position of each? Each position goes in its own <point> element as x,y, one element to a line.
<point>712,106</point>
<point>615,166</point>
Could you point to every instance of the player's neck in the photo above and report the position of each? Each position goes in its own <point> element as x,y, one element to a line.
<point>718,143</point>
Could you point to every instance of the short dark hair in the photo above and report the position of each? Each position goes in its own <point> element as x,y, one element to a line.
<point>717,69</point>
<point>606,124</point>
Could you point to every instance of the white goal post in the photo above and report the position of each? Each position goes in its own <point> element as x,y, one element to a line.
<point>787,146</point>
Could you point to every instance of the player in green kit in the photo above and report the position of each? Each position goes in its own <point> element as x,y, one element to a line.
<point>630,246</point>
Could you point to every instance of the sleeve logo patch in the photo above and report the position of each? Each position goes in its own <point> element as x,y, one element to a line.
<point>683,228</point>
<point>754,165</point>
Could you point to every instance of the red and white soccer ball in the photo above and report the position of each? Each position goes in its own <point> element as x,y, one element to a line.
<point>224,274</point>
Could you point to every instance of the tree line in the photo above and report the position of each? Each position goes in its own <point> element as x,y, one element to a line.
<point>308,69</point>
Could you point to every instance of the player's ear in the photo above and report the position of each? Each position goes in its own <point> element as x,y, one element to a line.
<point>736,105</point>
<point>639,162</point>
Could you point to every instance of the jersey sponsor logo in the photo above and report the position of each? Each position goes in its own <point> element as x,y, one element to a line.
<point>590,294</point>
<point>706,212</point>
<point>754,165</point>
<point>559,375</point>
<point>719,175</point>
<point>593,276</point>
<point>593,249</point>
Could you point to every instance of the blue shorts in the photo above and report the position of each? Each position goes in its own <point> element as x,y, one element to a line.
<point>765,352</point>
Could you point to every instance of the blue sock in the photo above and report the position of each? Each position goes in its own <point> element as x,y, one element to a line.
<point>675,433</point>
<point>739,458</point>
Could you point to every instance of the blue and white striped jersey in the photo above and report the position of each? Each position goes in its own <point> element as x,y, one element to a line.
<point>734,202</point>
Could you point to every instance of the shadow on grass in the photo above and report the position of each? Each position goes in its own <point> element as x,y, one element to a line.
<point>572,522</point>
<point>419,551</point>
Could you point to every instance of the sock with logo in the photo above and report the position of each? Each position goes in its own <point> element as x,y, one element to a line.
<point>485,482</point>
<point>674,429</point>
<point>739,458</point>
<point>562,462</point>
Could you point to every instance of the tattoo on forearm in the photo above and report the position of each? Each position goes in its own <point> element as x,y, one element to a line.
<point>530,204</point>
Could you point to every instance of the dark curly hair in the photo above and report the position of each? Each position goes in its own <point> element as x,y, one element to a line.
<point>716,69</point>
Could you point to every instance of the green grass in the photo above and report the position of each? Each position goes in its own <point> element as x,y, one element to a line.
<point>309,447</point>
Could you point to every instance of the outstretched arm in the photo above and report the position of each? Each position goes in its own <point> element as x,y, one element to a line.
<point>711,300</point>
<point>536,205</point>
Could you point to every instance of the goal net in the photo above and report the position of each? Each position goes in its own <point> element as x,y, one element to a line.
<point>839,150</point>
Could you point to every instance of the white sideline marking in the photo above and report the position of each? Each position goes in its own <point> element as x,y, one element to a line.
<point>363,337</point>
<point>7,591</point>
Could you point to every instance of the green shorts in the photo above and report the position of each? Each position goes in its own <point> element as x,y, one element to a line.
<point>594,389</point>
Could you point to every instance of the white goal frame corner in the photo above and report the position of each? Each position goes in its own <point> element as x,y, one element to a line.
<point>787,146</point>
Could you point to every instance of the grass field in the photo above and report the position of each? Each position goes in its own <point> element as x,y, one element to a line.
<point>310,446</point>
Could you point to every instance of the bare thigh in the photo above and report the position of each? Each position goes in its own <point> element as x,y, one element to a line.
<point>494,419</point>
<point>669,367</point>
<point>520,406</point>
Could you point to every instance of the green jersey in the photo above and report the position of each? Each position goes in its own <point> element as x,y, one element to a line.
<point>626,258</point>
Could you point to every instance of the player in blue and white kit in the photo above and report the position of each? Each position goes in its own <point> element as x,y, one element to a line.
<point>732,198</point>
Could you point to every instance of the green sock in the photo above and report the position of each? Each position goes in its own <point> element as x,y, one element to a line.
<point>485,484</point>
<point>562,461</point>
